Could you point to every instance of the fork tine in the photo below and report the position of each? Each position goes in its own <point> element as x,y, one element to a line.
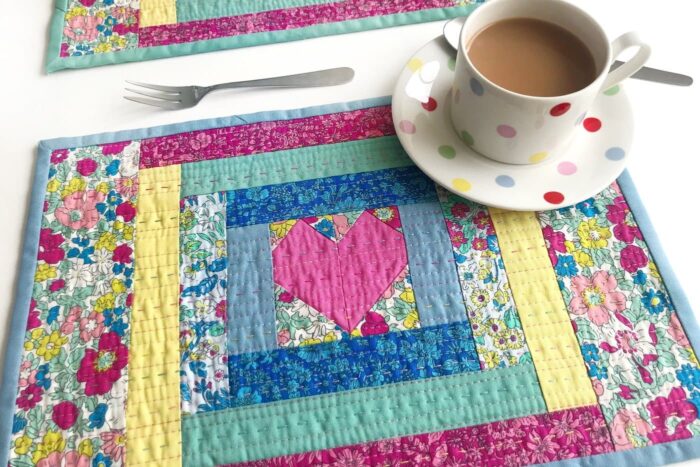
<point>156,95</point>
<point>156,103</point>
<point>156,87</point>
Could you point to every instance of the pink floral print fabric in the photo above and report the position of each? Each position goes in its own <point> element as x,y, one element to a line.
<point>256,138</point>
<point>639,359</point>
<point>72,387</point>
<point>282,19</point>
<point>520,441</point>
<point>99,26</point>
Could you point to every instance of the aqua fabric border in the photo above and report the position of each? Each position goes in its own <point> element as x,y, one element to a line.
<point>654,455</point>
<point>360,415</point>
<point>193,10</point>
<point>54,62</point>
<point>293,165</point>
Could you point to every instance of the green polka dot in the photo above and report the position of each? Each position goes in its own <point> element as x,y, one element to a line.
<point>613,90</point>
<point>451,63</point>
<point>467,138</point>
<point>448,152</point>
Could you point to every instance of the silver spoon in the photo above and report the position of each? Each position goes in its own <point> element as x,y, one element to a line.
<point>453,27</point>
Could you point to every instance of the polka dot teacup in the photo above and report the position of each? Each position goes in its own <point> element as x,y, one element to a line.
<point>520,129</point>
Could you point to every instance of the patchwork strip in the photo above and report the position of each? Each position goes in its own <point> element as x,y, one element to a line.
<point>637,353</point>
<point>536,439</point>
<point>203,278</point>
<point>485,289</point>
<point>352,192</point>
<point>191,10</point>
<point>267,136</point>
<point>73,371</point>
<point>435,283</point>
<point>311,370</point>
<point>157,13</point>
<point>153,409</point>
<point>358,416</point>
<point>542,311</point>
<point>278,20</point>
<point>251,301</point>
<point>293,165</point>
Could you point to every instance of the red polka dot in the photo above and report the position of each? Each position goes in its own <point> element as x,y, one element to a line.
<point>592,124</point>
<point>430,105</point>
<point>554,197</point>
<point>559,109</point>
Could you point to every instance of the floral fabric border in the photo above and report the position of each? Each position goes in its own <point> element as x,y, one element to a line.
<point>637,353</point>
<point>71,400</point>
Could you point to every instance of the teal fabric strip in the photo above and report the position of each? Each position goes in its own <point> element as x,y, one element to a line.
<point>433,271</point>
<point>358,416</point>
<point>55,63</point>
<point>250,300</point>
<point>293,165</point>
<point>192,10</point>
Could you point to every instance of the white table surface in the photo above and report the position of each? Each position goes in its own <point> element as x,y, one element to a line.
<point>34,106</point>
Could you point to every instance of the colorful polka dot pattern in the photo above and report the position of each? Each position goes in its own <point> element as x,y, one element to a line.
<point>615,154</point>
<point>447,151</point>
<point>430,105</point>
<point>564,168</point>
<point>506,131</point>
<point>461,184</point>
<point>476,87</point>
<point>505,181</point>
<point>538,157</point>
<point>554,197</point>
<point>407,127</point>
<point>592,124</point>
<point>559,109</point>
<point>567,168</point>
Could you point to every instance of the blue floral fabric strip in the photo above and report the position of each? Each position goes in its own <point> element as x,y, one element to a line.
<point>353,363</point>
<point>251,301</point>
<point>353,192</point>
<point>433,270</point>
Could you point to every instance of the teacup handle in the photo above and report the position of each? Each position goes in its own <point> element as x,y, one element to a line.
<point>622,43</point>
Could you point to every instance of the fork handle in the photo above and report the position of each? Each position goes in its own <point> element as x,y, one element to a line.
<point>331,77</point>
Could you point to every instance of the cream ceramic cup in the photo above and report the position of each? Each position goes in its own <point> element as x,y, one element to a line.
<point>518,129</point>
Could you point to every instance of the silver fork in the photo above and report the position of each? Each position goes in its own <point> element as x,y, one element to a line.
<point>183,97</point>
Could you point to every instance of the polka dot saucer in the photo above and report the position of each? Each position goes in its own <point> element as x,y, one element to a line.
<point>595,158</point>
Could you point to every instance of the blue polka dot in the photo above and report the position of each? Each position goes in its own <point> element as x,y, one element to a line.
<point>615,154</point>
<point>476,86</point>
<point>505,181</point>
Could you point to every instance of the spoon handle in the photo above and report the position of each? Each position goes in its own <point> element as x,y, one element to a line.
<point>658,76</point>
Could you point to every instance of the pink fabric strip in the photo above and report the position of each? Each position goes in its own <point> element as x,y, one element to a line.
<point>520,441</point>
<point>255,138</point>
<point>282,19</point>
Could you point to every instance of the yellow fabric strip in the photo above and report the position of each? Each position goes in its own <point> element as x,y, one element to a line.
<point>157,13</point>
<point>153,401</point>
<point>548,331</point>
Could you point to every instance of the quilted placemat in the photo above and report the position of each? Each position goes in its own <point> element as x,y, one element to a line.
<point>286,288</point>
<point>87,33</point>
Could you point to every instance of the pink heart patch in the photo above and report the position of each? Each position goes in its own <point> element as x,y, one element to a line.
<point>341,280</point>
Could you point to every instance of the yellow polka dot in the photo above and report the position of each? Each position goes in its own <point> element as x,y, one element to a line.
<point>415,64</point>
<point>461,184</point>
<point>539,157</point>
